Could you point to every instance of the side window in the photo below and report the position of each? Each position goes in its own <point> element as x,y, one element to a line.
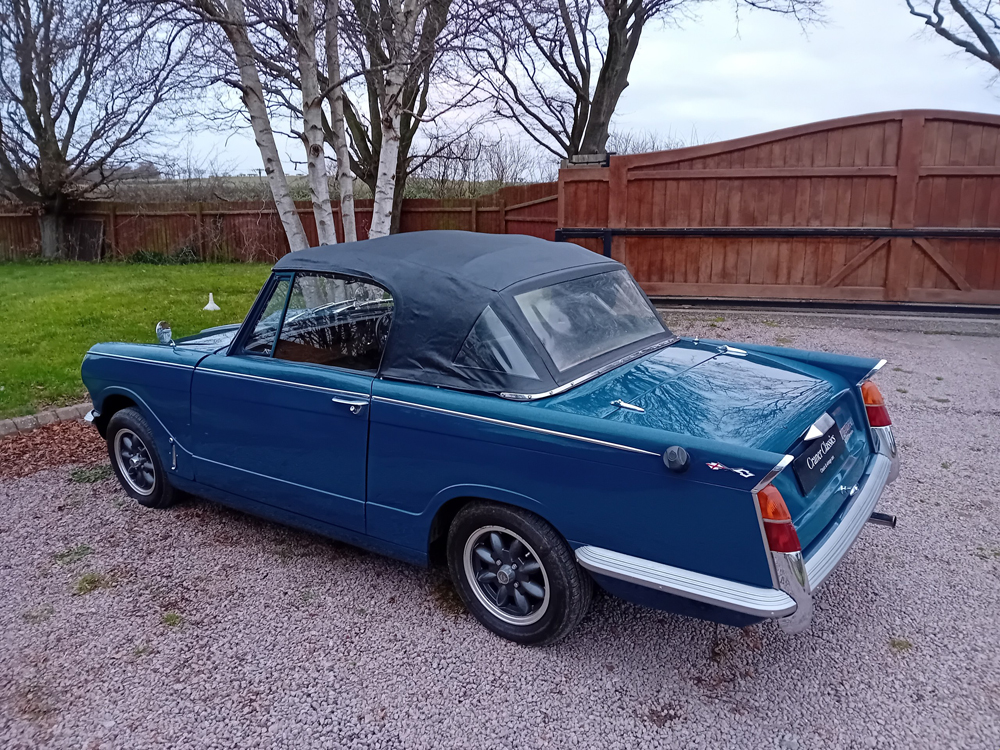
<point>262,338</point>
<point>335,320</point>
<point>489,346</point>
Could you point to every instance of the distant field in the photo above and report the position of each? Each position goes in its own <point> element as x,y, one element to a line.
<point>50,314</point>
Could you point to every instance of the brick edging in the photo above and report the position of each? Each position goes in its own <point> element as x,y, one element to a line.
<point>20,425</point>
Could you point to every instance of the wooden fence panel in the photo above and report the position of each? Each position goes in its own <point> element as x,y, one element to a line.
<point>252,231</point>
<point>897,206</point>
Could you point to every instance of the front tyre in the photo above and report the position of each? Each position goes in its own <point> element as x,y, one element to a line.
<point>135,460</point>
<point>516,574</point>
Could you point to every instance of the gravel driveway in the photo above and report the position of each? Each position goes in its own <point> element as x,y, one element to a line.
<point>199,627</point>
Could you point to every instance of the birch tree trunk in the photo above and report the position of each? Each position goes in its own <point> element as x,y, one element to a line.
<point>385,180</point>
<point>400,48</point>
<point>235,28</point>
<point>312,121</point>
<point>335,96</point>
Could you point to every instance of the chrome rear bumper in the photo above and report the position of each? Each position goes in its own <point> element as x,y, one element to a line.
<point>740,597</point>
<point>799,577</point>
<point>790,603</point>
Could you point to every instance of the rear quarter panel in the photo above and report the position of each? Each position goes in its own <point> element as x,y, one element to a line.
<point>624,500</point>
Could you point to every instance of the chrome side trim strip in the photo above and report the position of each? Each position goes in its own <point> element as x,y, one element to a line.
<point>140,359</point>
<point>876,368</point>
<point>590,375</point>
<point>515,425</point>
<point>242,375</point>
<point>740,597</point>
<point>822,562</point>
<point>778,468</point>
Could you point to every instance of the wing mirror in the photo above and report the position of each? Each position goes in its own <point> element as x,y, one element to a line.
<point>163,333</point>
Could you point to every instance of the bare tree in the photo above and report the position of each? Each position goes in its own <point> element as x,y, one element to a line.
<point>231,18</point>
<point>970,26</point>
<point>298,53</point>
<point>509,161</point>
<point>335,128</point>
<point>641,142</point>
<point>557,68</point>
<point>397,44</point>
<point>79,83</point>
<point>312,120</point>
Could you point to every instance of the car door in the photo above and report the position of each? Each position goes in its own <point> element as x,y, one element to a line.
<point>282,418</point>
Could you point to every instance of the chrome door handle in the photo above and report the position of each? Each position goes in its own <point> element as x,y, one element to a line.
<point>356,405</point>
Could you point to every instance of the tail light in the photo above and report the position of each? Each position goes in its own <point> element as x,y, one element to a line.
<point>878,415</point>
<point>778,526</point>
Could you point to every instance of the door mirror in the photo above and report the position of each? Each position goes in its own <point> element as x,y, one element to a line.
<point>163,333</point>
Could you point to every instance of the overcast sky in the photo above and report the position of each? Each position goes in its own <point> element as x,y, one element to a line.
<point>711,79</point>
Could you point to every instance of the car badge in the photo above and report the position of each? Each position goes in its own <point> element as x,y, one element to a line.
<point>716,466</point>
<point>847,430</point>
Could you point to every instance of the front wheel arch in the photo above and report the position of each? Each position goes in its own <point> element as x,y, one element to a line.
<point>111,405</point>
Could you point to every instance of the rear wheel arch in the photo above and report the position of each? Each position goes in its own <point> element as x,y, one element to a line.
<point>451,500</point>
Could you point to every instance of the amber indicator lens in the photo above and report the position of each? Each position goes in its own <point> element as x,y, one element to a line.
<point>778,527</point>
<point>772,505</point>
<point>878,415</point>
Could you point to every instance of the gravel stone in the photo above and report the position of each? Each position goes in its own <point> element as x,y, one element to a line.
<point>287,640</point>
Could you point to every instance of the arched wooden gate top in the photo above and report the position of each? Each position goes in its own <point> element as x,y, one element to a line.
<point>897,206</point>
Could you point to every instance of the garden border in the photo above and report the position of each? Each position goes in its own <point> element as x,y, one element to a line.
<point>29,422</point>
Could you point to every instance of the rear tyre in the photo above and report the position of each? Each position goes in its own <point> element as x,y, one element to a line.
<point>135,460</point>
<point>516,574</point>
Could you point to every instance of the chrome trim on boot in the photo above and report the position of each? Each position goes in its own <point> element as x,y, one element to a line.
<point>793,580</point>
<point>885,443</point>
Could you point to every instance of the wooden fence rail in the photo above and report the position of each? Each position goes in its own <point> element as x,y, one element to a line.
<point>895,206</point>
<point>251,231</point>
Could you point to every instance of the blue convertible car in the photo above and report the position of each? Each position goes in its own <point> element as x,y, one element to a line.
<point>517,410</point>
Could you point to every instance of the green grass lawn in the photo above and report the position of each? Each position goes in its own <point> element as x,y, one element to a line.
<point>50,314</point>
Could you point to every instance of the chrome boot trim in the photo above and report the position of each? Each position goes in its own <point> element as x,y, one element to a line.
<point>885,443</point>
<point>793,579</point>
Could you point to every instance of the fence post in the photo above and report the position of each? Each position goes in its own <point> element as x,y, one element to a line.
<point>200,228</point>
<point>911,142</point>
<point>475,211</point>
<point>561,201</point>
<point>503,216</point>
<point>617,207</point>
<point>112,230</point>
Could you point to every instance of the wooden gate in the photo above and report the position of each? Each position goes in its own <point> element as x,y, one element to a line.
<point>896,206</point>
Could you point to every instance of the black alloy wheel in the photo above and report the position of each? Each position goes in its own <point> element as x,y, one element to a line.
<point>135,461</point>
<point>516,573</point>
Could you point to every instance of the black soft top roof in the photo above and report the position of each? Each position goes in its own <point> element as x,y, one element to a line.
<point>441,281</point>
<point>491,262</point>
